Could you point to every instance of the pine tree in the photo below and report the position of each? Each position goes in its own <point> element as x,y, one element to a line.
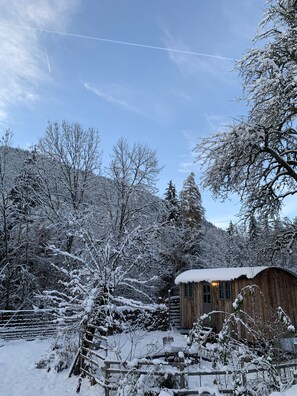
<point>24,195</point>
<point>231,229</point>
<point>192,215</point>
<point>171,203</point>
<point>6,272</point>
<point>24,223</point>
<point>192,212</point>
<point>236,254</point>
<point>231,234</point>
<point>254,240</point>
<point>253,230</point>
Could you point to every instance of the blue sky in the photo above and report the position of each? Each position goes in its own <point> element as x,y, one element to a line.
<point>55,66</point>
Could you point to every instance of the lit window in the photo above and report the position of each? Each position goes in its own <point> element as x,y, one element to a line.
<point>225,290</point>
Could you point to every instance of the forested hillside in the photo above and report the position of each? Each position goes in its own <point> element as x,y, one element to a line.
<point>70,230</point>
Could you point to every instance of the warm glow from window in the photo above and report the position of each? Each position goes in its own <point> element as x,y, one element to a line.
<point>214,284</point>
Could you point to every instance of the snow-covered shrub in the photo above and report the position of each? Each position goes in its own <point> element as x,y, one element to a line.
<point>136,384</point>
<point>61,353</point>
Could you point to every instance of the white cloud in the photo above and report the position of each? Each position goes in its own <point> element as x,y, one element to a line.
<point>115,94</point>
<point>22,57</point>
<point>154,106</point>
<point>189,164</point>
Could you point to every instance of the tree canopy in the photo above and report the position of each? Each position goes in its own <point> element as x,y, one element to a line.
<point>256,157</point>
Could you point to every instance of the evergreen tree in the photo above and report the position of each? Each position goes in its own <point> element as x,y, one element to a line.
<point>6,284</point>
<point>181,234</point>
<point>192,215</point>
<point>171,203</point>
<point>192,212</point>
<point>236,254</point>
<point>24,223</point>
<point>257,239</point>
<point>253,231</point>
<point>231,245</point>
<point>24,195</point>
<point>231,229</point>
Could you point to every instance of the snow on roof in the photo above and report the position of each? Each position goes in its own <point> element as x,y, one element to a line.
<point>217,274</point>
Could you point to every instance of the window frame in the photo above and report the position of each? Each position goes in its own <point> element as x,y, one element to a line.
<point>224,290</point>
<point>188,290</point>
<point>206,293</point>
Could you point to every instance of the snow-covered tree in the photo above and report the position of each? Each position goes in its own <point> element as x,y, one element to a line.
<point>69,160</point>
<point>106,276</point>
<point>191,218</point>
<point>181,233</point>
<point>5,268</point>
<point>10,163</point>
<point>256,157</point>
<point>191,209</point>
<point>278,245</point>
<point>113,261</point>
<point>24,226</point>
<point>128,195</point>
<point>236,254</point>
<point>171,203</point>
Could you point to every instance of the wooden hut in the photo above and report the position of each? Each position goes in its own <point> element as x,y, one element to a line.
<point>215,289</point>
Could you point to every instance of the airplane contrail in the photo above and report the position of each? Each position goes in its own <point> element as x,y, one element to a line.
<point>83,36</point>
<point>47,59</point>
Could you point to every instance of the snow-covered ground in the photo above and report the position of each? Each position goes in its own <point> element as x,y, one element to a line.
<point>18,375</point>
<point>290,392</point>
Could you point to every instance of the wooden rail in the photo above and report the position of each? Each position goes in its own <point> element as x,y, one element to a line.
<point>286,371</point>
<point>114,370</point>
<point>29,324</point>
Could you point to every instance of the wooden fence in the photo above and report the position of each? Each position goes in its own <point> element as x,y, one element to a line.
<point>187,379</point>
<point>92,353</point>
<point>28,324</point>
<point>183,368</point>
<point>93,358</point>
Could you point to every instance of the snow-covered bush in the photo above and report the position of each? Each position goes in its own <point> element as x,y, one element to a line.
<point>135,383</point>
<point>61,353</point>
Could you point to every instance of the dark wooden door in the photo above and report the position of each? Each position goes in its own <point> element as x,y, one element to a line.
<point>206,298</point>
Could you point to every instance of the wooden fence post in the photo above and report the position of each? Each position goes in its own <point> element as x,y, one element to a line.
<point>243,374</point>
<point>181,366</point>
<point>106,381</point>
